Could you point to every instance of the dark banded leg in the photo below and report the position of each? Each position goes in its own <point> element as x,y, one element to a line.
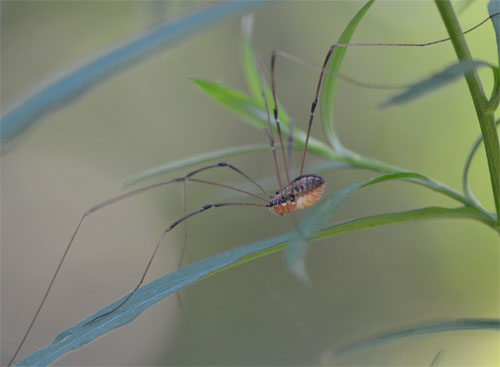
<point>124,196</point>
<point>271,142</point>
<point>172,226</point>
<point>276,119</point>
<point>313,106</point>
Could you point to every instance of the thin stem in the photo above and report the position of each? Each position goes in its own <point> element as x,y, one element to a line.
<point>358,161</point>
<point>486,121</point>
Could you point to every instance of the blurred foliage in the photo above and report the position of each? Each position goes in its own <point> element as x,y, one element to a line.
<point>369,288</point>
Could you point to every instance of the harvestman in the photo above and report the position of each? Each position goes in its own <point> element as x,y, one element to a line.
<point>300,193</point>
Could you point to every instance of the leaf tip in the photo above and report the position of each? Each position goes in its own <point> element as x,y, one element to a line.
<point>247,25</point>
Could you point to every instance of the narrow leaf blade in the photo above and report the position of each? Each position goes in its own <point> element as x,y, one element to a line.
<point>155,291</point>
<point>254,114</point>
<point>320,215</point>
<point>248,58</point>
<point>191,161</point>
<point>327,95</point>
<point>423,329</point>
<point>252,70</point>
<point>439,80</point>
<point>59,92</point>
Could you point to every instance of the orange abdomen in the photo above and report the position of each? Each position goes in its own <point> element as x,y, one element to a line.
<point>302,193</point>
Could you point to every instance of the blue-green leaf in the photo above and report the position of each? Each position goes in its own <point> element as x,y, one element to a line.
<point>435,327</point>
<point>155,291</point>
<point>448,75</point>
<point>62,90</point>
<point>191,161</point>
<point>320,215</point>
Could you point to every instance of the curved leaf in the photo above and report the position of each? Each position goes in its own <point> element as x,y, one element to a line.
<point>252,70</point>
<point>248,58</point>
<point>191,161</point>
<point>62,90</point>
<point>422,329</point>
<point>254,113</point>
<point>155,291</point>
<point>465,174</point>
<point>319,216</point>
<point>327,95</point>
<point>425,86</point>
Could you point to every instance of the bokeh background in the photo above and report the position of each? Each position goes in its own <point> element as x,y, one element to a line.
<point>257,313</point>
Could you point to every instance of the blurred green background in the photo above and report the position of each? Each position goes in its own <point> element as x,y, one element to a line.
<point>257,313</point>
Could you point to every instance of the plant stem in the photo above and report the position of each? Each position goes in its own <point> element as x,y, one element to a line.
<point>373,164</point>
<point>486,121</point>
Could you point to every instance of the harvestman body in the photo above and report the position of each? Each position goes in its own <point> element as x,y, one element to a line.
<point>303,192</point>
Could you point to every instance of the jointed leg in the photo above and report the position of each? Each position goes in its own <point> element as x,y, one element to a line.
<point>327,58</point>
<point>271,141</point>
<point>172,226</point>
<point>115,199</point>
<point>276,119</point>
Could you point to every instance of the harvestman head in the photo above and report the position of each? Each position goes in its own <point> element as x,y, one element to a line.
<point>300,193</point>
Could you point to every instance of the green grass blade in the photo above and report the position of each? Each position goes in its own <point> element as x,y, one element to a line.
<point>193,160</point>
<point>248,59</point>
<point>494,7</point>
<point>251,70</point>
<point>379,220</point>
<point>423,329</point>
<point>327,95</point>
<point>319,216</point>
<point>155,291</point>
<point>60,91</point>
<point>254,114</point>
<point>251,111</point>
<point>425,86</point>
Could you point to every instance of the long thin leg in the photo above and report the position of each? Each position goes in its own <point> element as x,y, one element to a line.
<point>346,78</point>
<point>271,141</point>
<point>414,44</point>
<point>112,201</point>
<point>172,226</point>
<point>327,58</point>
<point>313,106</point>
<point>276,119</point>
<point>184,237</point>
<point>290,143</point>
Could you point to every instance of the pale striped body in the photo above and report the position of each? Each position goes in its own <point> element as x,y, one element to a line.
<point>302,193</point>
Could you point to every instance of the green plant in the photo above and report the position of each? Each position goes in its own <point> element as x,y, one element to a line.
<point>252,111</point>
